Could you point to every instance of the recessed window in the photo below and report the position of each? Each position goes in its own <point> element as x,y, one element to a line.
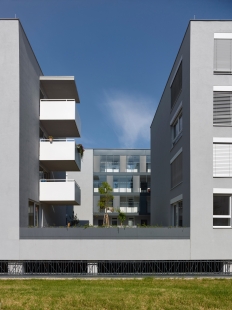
<point>221,211</point>
<point>97,182</point>
<point>223,55</point>
<point>177,214</point>
<point>176,171</point>
<point>177,127</point>
<point>33,214</point>
<point>129,204</point>
<point>114,221</point>
<point>133,163</point>
<point>176,86</point>
<point>222,108</point>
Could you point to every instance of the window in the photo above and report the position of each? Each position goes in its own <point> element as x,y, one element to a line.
<point>133,163</point>
<point>123,184</point>
<point>148,163</point>
<point>97,182</point>
<point>114,221</point>
<point>222,108</point>
<point>33,214</point>
<point>178,213</point>
<point>221,211</point>
<point>177,128</point>
<point>131,221</point>
<point>222,160</point>
<point>129,204</point>
<point>223,54</point>
<point>100,222</point>
<point>176,86</point>
<point>145,183</point>
<point>109,163</point>
<point>176,171</point>
<point>143,222</point>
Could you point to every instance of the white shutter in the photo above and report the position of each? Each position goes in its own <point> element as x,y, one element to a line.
<point>222,108</point>
<point>222,160</point>
<point>222,55</point>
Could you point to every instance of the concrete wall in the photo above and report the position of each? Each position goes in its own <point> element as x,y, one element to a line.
<point>84,179</point>
<point>205,240</point>
<point>162,150</point>
<point>29,126</point>
<point>9,134</point>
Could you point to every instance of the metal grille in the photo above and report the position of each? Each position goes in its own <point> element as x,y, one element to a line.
<point>114,268</point>
<point>222,108</point>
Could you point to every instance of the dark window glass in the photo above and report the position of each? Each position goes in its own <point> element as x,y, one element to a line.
<point>176,86</point>
<point>221,205</point>
<point>176,171</point>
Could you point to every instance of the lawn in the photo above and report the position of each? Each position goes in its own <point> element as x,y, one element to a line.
<point>115,294</point>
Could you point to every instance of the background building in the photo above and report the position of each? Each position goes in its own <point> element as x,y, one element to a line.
<point>127,172</point>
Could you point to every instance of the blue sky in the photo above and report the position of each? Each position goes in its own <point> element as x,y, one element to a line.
<point>120,52</point>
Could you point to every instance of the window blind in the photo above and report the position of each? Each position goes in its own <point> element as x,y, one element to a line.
<point>176,85</point>
<point>222,108</point>
<point>176,171</point>
<point>222,160</point>
<point>223,55</point>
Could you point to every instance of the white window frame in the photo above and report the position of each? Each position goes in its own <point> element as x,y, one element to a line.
<point>224,216</point>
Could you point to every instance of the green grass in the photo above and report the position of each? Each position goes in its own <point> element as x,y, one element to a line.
<point>116,294</point>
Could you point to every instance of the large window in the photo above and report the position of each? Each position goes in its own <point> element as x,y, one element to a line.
<point>176,86</point>
<point>221,211</point>
<point>222,160</point>
<point>176,171</point>
<point>222,108</point>
<point>133,163</point>
<point>145,183</point>
<point>109,163</point>
<point>223,54</point>
<point>129,204</point>
<point>97,182</point>
<point>123,184</point>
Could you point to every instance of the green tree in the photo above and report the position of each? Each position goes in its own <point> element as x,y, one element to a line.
<point>106,199</point>
<point>121,216</point>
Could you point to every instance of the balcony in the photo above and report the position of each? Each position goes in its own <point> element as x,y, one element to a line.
<point>60,192</point>
<point>60,118</point>
<point>59,155</point>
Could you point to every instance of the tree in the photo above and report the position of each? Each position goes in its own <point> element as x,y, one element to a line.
<point>105,201</point>
<point>121,216</point>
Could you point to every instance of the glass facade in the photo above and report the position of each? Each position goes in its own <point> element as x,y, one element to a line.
<point>128,173</point>
<point>109,163</point>
<point>133,163</point>
<point>123,184</point>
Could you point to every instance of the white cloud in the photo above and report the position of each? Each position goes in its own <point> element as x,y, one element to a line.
<point>131,116</point>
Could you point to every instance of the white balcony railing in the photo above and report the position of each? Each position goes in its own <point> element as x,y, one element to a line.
<point>59,155</point>
<point>60,191</point>
<point>60,118</point>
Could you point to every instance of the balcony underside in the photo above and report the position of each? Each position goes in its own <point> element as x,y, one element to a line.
<point>61,128</point>
<point>60,165</point>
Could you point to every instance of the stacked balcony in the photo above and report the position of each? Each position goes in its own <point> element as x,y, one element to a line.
<point>59,119</point>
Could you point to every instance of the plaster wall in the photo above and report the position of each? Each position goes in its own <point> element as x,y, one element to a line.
<point>84,179</point>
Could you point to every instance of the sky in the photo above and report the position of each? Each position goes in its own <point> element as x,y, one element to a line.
<point>120,52</point>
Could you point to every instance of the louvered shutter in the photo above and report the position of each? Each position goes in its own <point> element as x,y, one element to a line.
<point>222,160</point>
<point>223,55</point>
<point>176,171</point>
<point>222,108</point>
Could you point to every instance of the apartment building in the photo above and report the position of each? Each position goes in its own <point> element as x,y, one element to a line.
<point>190,191</point>
<point>192,183</point>
<point>127,171</point>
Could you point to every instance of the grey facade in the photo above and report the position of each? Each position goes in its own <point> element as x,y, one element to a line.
<point>128,173</point>
<point>190,160</point>
<point>199,156</point>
